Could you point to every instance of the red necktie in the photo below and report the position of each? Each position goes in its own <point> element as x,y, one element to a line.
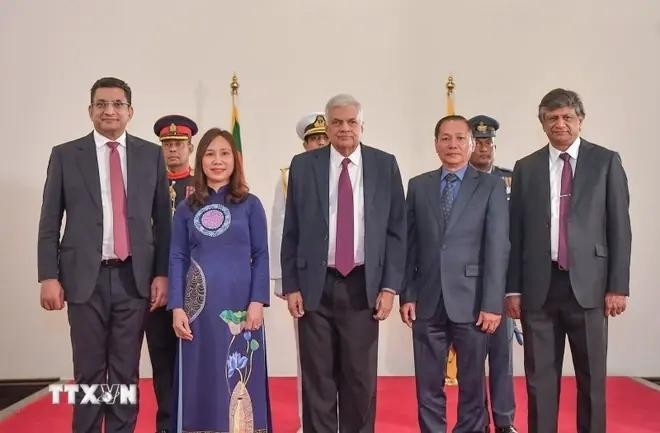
<point>118,194</point>
<point>344,258</point>
<point>564,210</point>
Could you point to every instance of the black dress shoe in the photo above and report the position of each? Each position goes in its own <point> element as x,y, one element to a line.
<point>507,429</point>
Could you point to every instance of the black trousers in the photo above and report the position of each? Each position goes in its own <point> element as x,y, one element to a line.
<point>431,340</point>
<point>500,375</point>
<point>338,358</point>
<point>161,341</point>
<point>106,337</point>
<point>545,333</point>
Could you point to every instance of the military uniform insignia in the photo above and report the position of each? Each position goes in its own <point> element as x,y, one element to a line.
<point>172,197</point>
<point>284,174</point>
<point>507,183</point>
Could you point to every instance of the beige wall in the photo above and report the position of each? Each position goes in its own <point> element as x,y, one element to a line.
<point>291,56</point>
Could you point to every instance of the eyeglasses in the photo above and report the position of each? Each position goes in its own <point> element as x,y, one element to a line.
<point>117,105</point>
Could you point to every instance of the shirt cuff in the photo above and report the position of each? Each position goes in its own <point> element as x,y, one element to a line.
<point>506,295</point>
<point>385,289</point>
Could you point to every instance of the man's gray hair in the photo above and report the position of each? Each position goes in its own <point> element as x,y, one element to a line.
<point>560,98</point>
<point>343,100</point>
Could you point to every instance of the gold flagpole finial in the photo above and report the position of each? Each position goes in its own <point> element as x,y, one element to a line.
<point>450,85</point>
<point>450,95</point>
<point>234,84</point>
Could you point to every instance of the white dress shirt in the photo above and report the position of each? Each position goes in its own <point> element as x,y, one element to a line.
<point>556,165</point>
<point>103,158</point>
<point>355,174</point>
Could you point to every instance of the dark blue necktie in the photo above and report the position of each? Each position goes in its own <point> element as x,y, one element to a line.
<point>447,197</point>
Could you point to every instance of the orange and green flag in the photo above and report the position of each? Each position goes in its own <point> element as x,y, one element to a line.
<point>235,125</point>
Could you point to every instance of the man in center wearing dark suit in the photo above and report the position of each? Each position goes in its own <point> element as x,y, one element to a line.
<point>343,257</point>
<point>110,265</point>
<point>570,261</point>
<point>458,251</point>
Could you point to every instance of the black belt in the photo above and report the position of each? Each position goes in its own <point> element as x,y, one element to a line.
<point>114,263</point>
<point>336,273</point>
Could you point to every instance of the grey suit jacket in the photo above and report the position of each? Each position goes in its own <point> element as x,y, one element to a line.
<point>304,251</point>
<point>73,188</point>
<point>467,264</point>
<point>599,235</point>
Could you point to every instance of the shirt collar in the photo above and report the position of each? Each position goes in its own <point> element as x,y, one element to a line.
<point>101,141</point>
<point>336,158</point>
<point>572,150</point>
<point>460,172</point>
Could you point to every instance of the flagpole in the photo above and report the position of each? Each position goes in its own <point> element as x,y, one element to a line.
<point>451,375</point>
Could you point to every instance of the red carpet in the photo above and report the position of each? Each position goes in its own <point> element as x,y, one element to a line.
<point>632,408</point>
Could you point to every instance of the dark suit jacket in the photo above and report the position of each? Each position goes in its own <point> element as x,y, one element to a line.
<point>599,233</point>
<point>304,252</point>
<point>73,187</point>
<point>467,264</point>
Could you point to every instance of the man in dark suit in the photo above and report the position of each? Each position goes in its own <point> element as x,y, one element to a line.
<point>110,264</point>
<point>570,261</point>
<point>500,360</point>
<point>343,254</point>
<point>458,250</point>
<point>175,133</point>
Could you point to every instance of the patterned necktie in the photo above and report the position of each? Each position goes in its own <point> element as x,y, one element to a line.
<point>344,258</point>
<point>447,197</point>
<point>564,209</point>
<point>118,194</point>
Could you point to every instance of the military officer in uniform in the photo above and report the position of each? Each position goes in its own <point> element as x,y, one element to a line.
<point>500,362</point>
<point>175,133</point>
<point>311,130</point>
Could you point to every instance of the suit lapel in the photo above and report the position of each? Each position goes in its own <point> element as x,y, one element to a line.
<point>89,167</point>
<point>469,184</point>
<point>133,164</point>
<point>541,173</point>
<point>369,178</point>
<point>432,186</point>
<point>582,170</point>
<point>322,175</point>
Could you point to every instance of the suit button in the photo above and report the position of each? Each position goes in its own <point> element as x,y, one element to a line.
<point>444,247</point>
<point>325,238</point>
<point>324,263</point>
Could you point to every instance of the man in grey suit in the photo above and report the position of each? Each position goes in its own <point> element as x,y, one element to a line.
<point>343,255</point>
<point>111,262</point>
<point>458,250</point>
<point>570,261</point>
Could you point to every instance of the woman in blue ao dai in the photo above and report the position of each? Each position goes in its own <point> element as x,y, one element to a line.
<point>218,288</point>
